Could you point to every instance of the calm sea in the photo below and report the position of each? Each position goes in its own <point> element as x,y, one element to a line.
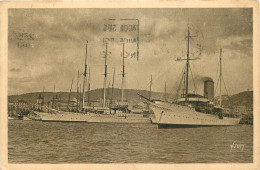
<point>49,142</point>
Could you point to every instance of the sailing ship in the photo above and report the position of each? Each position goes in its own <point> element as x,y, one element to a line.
<point>56,115</point>
<point>111,113</point>
<point>97,114</point>
<point>191,110</point>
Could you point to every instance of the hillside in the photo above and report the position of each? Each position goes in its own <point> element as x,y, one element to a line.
<point>95,95</point>
<point>241,99</point>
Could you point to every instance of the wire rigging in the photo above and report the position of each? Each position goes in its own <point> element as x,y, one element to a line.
<point>216,86</point>
<point>217,71</point>
<point>196,90</point>
<point>182,77</point>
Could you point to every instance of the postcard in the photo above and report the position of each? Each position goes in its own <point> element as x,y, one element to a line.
<point>133,85</point>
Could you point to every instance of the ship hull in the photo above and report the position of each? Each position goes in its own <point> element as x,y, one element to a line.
<point>25,118</point>
<point>63,117</point>
<point>92,117</point>
<point>160,125</point>
<point>183,116</point>
<point>13,118</point>
<point>118,118</point>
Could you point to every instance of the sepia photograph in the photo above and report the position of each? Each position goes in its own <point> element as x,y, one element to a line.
<point>130,85</point>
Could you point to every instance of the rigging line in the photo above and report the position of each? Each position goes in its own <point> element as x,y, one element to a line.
<point>223,79</point>
<point>196,90</point>
<point>225,85</point>
<point>178,93</point>
<point>217,70</point>
<point>147,86</point>
<point>155,78</point>
<point>155,85</point>
<point>229,97</point>
<point>182,77</point>
<point>216,86</point>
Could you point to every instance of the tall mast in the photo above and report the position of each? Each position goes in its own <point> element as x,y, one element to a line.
<point>186,70</point>
<point>220,77</point>
<point>108,95</point>
<point>70,94</point>
<point>78,92</point>
<point>84,74</point>
<point>53,96</point>
<point>165,96</point>
<point>111,101</point>
<point>150,92</point>
<point>123,75</point>
<point>43,96</point>
<point>183,90</point>
<point>89,86</point>
<point>187,67</point>
<point>105,79</point>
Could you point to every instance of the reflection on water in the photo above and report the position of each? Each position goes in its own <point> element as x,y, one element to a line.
<point>49,142</point>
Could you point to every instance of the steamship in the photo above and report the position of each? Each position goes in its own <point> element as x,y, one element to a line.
<point>192,110</point>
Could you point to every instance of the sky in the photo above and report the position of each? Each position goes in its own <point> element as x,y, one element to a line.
<point>47,47</point>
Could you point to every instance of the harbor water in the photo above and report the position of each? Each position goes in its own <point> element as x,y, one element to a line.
<point>54,142</point>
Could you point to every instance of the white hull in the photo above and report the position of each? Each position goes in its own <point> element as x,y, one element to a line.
<point>93,117</point>
<point>186,116</point>
<point>26,118</point>
<point>118,118</point>
<point>153,120</point>
<point>63,117</point>
<point>13,118</point>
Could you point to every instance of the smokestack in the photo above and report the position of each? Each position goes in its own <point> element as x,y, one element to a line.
<point>209,89</point>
